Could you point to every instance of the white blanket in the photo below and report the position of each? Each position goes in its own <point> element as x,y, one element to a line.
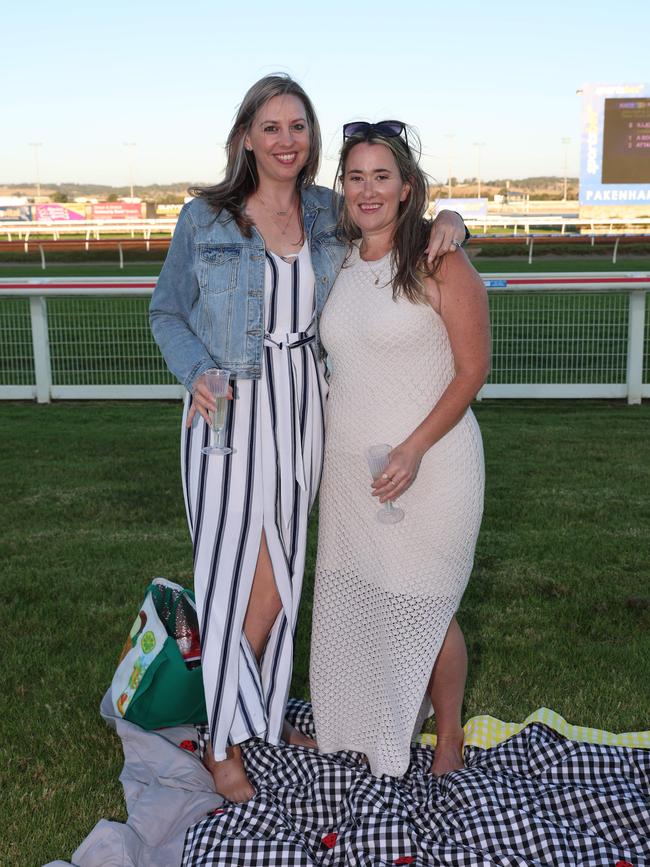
<point>166,788</point>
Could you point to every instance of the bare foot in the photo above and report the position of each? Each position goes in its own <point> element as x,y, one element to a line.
<point>448,755</point>
<point>229,775</point>
<point>291,735</point>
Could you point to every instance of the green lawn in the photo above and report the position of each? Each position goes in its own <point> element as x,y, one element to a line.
<point>560,264</point>
<point>557,612</point>
<point>83,269</point>
<point>487,265</point>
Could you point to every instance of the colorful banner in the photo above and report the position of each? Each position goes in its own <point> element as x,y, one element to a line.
<point>116,211</point>
<point>615,152</point>
<point>15,213</point>
<point>60,212</point>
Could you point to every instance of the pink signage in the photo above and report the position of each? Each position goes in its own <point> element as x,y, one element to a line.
<point>116,211</point>
<point>56,213</point>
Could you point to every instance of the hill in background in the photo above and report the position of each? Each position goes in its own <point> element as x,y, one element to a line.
<point>545,187</point>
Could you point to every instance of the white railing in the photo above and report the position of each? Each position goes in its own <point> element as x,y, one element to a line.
<point>24,229</point>
<point>553,336</point>
<point>516,221</point>
<point>588,227</point>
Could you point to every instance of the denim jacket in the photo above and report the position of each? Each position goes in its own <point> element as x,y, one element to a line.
<point>207,309</point>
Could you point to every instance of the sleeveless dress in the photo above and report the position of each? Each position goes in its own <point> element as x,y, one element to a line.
<point>275,428</point>
<point>385,594</point>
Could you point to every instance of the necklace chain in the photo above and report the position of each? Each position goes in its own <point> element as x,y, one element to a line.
<point>275,214</point>
<point>371,269</point>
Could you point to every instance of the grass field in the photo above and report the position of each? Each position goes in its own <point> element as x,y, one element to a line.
<point>485,265</point>
<point>557,612</point>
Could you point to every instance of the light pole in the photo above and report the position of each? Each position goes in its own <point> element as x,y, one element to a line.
<point>450,137</point>
<point>130,145</point>
<point>478,145</point>
<point>36,145</point>
<point>566,142</point>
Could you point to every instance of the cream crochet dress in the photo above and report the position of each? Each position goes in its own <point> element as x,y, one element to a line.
<point>385,594</point>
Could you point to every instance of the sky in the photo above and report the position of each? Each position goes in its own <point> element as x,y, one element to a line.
<point>82,79</point>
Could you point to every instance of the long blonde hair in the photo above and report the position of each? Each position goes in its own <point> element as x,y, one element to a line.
<point>241,177</point>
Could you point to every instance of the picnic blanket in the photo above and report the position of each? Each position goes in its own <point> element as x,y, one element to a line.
<point>528,796</point>
<point>536,798</point>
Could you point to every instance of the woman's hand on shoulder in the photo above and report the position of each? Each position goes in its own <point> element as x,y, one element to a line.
<point>400,473</point>
<point>202,401</point>
<point>447,233</point>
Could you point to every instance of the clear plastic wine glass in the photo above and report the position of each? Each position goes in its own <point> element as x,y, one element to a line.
<point>378,460</point>
<point>217,381</point>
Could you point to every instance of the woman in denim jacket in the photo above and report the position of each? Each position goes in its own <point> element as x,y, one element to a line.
<point>247,274</point>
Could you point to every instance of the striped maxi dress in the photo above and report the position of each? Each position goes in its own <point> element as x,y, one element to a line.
<point>275,428</point>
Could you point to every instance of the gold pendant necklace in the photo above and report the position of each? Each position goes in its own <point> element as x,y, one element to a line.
<point>371,269</point>
<point>275,214</point>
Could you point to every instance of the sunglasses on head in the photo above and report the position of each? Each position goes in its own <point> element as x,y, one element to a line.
<point>387,128</point>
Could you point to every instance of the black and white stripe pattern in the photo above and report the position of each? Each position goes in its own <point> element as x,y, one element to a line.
<point>275,427</point>
<point>536,799</point>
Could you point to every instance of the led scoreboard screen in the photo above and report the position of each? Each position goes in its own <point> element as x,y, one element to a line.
<point>626,141</point>
<point>615,153</point>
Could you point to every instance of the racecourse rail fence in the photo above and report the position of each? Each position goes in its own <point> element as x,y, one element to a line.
<point>530,232</point>
<point>574,335</point>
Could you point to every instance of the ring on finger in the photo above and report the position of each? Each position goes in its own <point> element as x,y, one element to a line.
<point>457,244</point>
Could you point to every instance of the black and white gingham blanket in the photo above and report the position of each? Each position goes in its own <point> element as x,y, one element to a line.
<point>536,799</point>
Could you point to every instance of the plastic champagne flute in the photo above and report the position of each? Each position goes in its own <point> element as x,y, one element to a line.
<point>378,460</point>
<point>217,381</point>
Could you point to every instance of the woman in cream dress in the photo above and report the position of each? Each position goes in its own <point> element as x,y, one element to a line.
<point>409,349</point>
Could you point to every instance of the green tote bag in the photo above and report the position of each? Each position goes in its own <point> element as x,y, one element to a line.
<point>155,684</point>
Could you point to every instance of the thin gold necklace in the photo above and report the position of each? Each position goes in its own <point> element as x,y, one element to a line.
<point>371,269</point>
<point>275,214</point>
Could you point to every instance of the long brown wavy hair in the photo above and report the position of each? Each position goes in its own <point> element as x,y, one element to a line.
<point>412,230</point>
<point>241,177</point>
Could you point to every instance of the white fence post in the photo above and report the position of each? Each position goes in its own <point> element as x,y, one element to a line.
<point>636,323</point>
<point>41,345</point>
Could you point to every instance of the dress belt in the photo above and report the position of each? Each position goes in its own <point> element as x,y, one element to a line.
<point>289,340</point>
<point>283,341</point>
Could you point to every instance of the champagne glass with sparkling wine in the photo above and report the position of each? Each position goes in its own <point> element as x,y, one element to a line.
<point>378,460</point>
<point>217,381</point>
